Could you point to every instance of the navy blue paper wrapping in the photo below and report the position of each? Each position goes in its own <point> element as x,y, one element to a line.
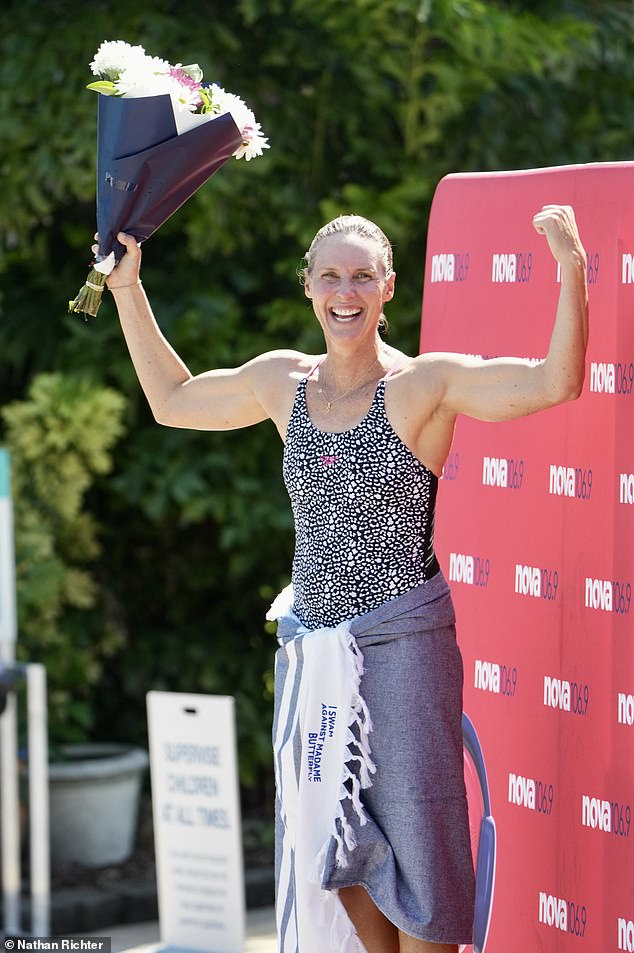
<point>145,171</point>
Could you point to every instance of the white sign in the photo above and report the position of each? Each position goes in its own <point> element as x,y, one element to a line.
<point>197,829</point>
<point>8,624</point>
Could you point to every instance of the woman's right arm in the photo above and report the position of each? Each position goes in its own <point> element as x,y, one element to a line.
<point>215,400</point>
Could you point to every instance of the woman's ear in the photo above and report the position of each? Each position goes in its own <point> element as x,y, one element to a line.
<point>306,283</point>
<point>388,293</point>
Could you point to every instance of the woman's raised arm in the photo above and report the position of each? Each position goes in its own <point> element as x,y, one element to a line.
<point>215,400</point>
<point>504,388</point>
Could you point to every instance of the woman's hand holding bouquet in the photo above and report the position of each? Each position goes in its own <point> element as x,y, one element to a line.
<point>161,133</point>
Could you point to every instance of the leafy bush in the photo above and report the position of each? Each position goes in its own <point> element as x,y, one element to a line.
<point>60,438</point>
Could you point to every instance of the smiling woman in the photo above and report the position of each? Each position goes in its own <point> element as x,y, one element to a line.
<point>352,225</point>
<point>376,856</point>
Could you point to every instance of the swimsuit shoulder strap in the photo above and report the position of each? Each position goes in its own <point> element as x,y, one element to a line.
<point>393,369</point>
<point>308,376</point>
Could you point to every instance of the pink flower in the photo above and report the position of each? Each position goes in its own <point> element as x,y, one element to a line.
<point>183,78</point>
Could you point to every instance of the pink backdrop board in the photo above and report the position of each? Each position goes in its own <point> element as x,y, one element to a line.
<point>535,532</point>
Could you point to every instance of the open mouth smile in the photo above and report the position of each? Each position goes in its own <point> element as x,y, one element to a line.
<point>345,315</point>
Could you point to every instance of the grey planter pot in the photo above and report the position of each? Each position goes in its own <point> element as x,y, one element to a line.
<point>94,803</point>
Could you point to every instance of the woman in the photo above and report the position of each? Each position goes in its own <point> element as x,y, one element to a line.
<point>367,431</point>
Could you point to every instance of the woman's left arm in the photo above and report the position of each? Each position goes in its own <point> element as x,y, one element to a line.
<point>504,388</point>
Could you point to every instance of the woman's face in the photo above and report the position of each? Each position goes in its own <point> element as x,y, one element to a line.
<point>348,287</point>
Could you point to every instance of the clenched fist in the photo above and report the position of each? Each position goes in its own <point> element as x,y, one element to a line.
<point>558,224</point>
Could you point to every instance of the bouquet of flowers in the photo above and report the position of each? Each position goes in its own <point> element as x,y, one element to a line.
<point>161,133</point>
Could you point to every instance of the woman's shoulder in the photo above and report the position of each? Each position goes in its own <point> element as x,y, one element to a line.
<point>283,366</point>
<point>285,360</point>
<point>275,376</point>
<point>431,364</point>
<point>423,374</point>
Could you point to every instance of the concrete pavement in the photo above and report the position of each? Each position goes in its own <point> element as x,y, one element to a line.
<point>145,937</point>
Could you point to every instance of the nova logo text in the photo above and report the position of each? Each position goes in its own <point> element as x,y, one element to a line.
<point>627,269</point>
<point>506,473</point>
<point>575,482</point>
<point>563,915</point>
<point>468,569</point>
<point>612,378</point>
<point>626,934</point>
<point>529,793</point>
<point>450,266</point>
<point>625,709</point>
<point>511,267</point>
<point>626,488</point>
<point>536,582</point>
<point>495,678</point>
<point>566,696</point>
<point>608,596</point>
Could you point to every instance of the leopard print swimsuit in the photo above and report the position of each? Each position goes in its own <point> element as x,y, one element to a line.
<point>364,507</point>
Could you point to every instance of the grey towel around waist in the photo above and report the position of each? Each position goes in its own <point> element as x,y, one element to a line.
<point>421,609</point>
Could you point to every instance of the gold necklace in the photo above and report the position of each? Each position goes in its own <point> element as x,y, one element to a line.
<point>351,390</point>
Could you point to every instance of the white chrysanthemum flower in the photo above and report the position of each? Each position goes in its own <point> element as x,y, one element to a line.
<point>140,81</point>
<point>225,102</point>
<point>184,98</point>
<point>114,56</point>
<point>134,84</point>
<point>253,142</point>
<point>155,64</point>
<point>185,91</point>
<point>252,146</point>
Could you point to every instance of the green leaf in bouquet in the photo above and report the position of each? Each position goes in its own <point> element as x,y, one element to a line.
<point>207,100</point>
<point>103,86</point>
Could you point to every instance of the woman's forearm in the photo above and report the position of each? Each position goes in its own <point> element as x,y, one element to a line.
<point>159,368</point>
<point>565,363</point>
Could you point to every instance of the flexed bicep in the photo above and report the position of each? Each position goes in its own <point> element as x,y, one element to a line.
<point>504,388</point>
<point>494,390</point>
<point>216,400</point>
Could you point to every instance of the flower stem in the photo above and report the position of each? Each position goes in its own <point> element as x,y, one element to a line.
<point>89,296</point>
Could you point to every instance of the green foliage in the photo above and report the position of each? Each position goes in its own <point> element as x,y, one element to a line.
<point>104,87</point>
<point>367,103</point>
<point>60,438</point>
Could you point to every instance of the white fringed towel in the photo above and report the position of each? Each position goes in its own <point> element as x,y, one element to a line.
<point>321,732</point>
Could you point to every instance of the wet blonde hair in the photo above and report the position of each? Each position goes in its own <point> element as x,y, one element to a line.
<point>352,225</point>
